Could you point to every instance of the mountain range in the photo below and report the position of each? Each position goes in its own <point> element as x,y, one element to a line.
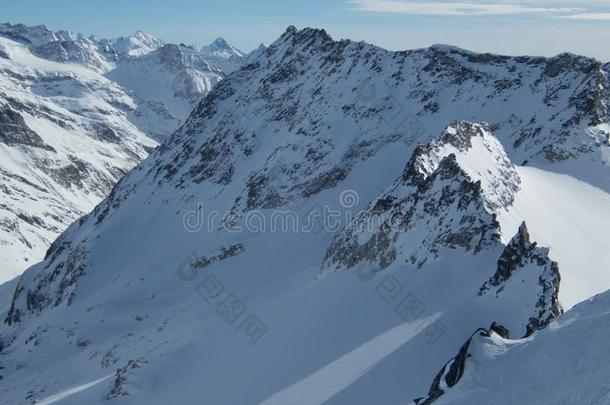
<point>332,223</point>
<point>77,112</point>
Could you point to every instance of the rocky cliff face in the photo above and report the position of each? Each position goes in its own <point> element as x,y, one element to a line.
<point>524,262</point>
<point>446,197</point>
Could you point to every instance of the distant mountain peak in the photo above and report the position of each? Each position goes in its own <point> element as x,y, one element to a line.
<point>222,49</point>
<point>137,44</point>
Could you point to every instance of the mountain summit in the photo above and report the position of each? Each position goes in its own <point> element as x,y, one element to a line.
<point>221,48</point>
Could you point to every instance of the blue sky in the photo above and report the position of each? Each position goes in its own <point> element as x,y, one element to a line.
<point>540,27</point>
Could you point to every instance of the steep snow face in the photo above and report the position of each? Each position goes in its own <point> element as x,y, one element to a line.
<point>178,302</point>
<point>6,290</point>
<point>64,142</point>
<point>564,363</point>
<point>572,218</point>
<point>166,83</point>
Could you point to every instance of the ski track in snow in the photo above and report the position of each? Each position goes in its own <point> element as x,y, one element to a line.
<point>325,383</point>
<point>74,390</point>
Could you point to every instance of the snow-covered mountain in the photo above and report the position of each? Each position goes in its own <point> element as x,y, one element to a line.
<point>225,57</point>
<point>342,216</point>
<point>65,140</point>
<point>76,113</point>
<point>61,46</point>
<point>138,44</point>
<point>166,83</point>
<point>220,48</point>
<point>165,80</point>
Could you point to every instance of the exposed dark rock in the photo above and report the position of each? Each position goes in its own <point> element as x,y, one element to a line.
<point>15,131</point>
<point>523,255</point>
<point>224,253</point>
<point>438,203</point>
<point>104,132</point>
<point>52,288</point>
<point>451,372</point>
<point>119,384</point>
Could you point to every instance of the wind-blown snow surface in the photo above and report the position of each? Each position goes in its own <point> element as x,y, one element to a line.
<point>566,363</point>
<point>138,289</point>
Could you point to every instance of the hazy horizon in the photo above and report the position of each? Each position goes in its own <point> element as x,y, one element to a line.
<point>516,27</point>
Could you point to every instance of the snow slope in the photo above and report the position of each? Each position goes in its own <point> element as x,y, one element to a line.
<point>573,218</point>
<point>179,286</point>
<point>566,363</point>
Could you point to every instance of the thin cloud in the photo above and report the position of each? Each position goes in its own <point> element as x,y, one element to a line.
<point>453,8</point>
<point>587,17</point>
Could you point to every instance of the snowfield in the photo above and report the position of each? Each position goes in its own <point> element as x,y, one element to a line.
<point>572,218</point>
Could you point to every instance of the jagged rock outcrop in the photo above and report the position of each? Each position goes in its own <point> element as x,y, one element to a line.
<point>446,197</point>
<point>451,373</point>
<point>15,131</point>
<point>524,256</point>
<point>559,364</point>
<point>520,256</point>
